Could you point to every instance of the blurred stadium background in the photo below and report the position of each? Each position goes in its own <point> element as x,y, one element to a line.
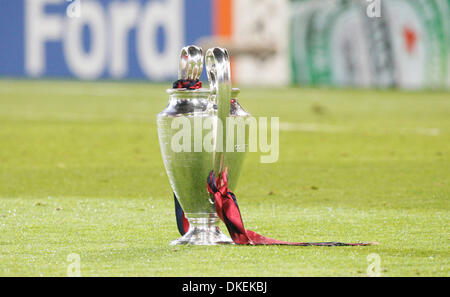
<point>363,43</point>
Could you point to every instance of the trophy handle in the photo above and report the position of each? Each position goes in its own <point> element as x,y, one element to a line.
<point>219,76</point>
<point>191,63</point>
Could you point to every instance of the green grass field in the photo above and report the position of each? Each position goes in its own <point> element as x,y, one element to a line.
<point>81,172</point>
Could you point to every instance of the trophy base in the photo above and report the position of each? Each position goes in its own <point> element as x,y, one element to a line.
<point>203,231</point>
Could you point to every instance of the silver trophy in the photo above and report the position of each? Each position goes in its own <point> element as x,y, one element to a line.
<point>189,168</point>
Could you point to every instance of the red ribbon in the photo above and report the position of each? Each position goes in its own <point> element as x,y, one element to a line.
<point>228,211</point>
<point>190,84</point>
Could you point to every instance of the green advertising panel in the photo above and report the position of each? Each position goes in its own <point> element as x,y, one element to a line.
<point>370,43</point>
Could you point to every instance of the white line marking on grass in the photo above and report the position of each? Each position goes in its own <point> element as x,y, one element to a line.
<point>315,127</point>
<point>74,116</point>
<point>73,90</point>
<point>310,127</point>
<point>429,131</point>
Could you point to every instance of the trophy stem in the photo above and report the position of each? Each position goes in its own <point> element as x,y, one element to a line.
<point>203,231</point>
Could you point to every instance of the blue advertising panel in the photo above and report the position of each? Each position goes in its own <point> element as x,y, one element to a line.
<point>98,39</point>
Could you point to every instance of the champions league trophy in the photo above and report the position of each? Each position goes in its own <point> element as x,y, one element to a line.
<point>189,168</point>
